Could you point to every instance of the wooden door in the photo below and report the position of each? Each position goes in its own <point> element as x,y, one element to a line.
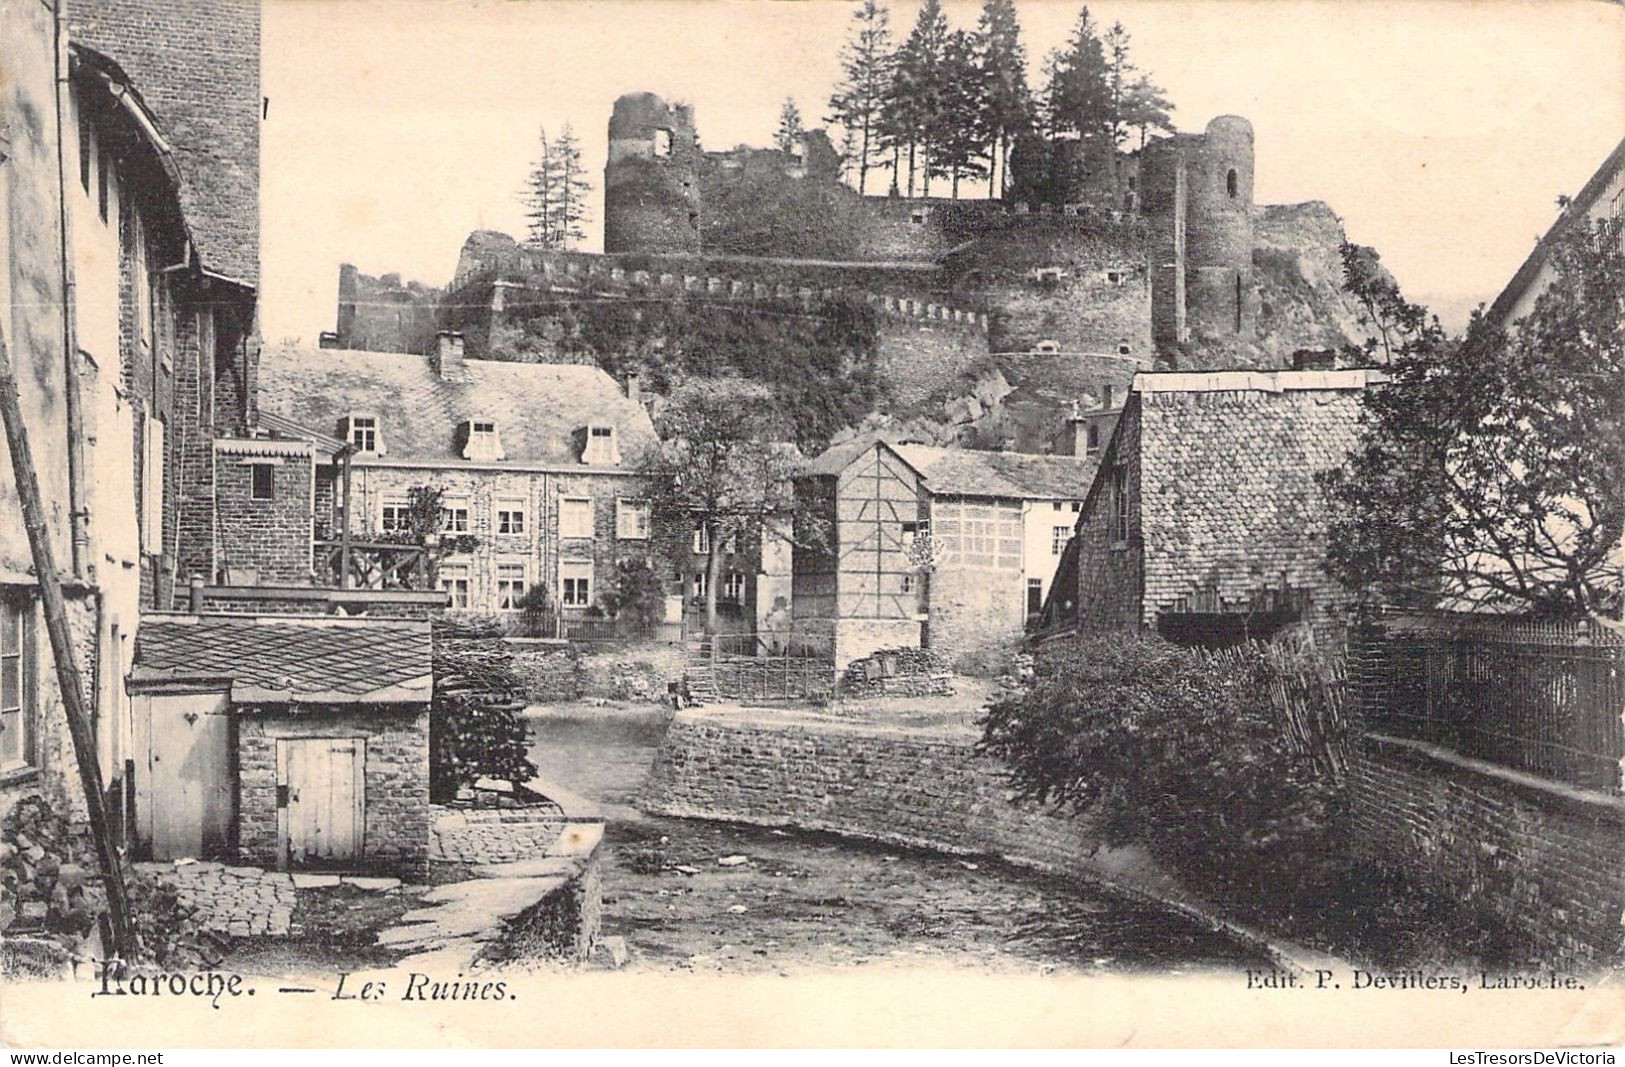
<point>184,791</point>
<point>321,800</point>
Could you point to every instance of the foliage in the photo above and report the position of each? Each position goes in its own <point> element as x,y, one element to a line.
<point>637,594</point>
<point>535,611</point>
<point>475,727</point>
<point>914,107</point>
<point>721,466</point>
<point>1491,469</point>
<point>1136,103</point>
<point>1078,89</point>
<point>866,72</point>
<point>1177,750</point>
<point>819,363</point>
<point>788,135</point>
<point>961,150</point>
<point>557,192</point>
<point>425,525</point>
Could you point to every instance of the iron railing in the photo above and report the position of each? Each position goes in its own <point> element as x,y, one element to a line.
<point>1537,696</point>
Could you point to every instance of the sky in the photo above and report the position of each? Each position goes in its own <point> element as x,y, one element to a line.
<point>1441,131</point>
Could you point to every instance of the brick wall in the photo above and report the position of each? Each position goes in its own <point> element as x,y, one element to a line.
<point>272,535</point>
<point>1539,860</point>
<point>396,775</point>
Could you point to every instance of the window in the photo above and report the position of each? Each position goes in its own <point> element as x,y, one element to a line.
<point>1035,595</point>
<point>1230,183</point>
<point>733,587</point>
<point>1059,505</point>
<point>454,580</point>
<point>394,515</point>
<point>510,516</point>
<point>575,583</point>
<point>917,216</point>
<point>702,583</point>
<point>152,487</point>
<point>631,520</point>
<point>483,442</point>
<point>601,448</point>
<point>264,481</point>
<point>454,516</point>
<point>702,541</point>
<point>1058,537</point>
<point>908,581</point>
<point>1114,277</point>
<point>511,586</point>
<point>1092,442</point>
<point>16,682</point>
<point>575,517</point>
<point>364,432</point>
<point>1119,504</point>
<point>84,149</point>
<point>479,427</point>
<point>104,179</point>
<point>1123,350</point>
<point>1077,506</point>
<point>662,146</point>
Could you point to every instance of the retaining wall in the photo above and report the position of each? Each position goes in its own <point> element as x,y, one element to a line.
<point>1543,861</point>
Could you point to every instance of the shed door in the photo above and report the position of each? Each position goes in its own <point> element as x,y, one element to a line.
<point>321,795</point>
<point>183,774</point>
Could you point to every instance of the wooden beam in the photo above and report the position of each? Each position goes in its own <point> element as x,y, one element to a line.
<point>69,679</point>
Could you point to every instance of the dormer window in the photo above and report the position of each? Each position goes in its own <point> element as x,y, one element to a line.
<point>601,449</point>
<point>364,434</point>
<point>483,443</point>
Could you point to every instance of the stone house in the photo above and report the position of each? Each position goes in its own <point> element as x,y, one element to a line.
<point>1204,523</point>
<point>947,549</point>
<point>538,465</point>
<point>132,175</point>
<point>284,741</point>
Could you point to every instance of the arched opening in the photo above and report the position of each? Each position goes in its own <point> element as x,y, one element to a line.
<point>1230,183</point>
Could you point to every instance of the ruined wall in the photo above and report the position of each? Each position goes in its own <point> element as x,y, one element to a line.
<point>651,179</point>
<point>1538,859</point>
<point>385,314</point>
<point>396,805</point>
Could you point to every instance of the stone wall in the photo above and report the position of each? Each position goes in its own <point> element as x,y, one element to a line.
<point>549,670</point>
<point>897,672</point>
<point>385,314</point>
<point>922,787</point>
<point>974,608</point>
<point>1537,859</point>
<point>396,805</point>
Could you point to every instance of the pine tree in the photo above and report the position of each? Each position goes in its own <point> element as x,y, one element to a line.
<point>1146,107</point>
<point>1006,100</point>
<point>574,191</point>
<point>1136,101</point>
<point>788,136</point>
<point>959,145</point>
<point>540,194</point>
<point>914,105</point>
<point>856,104</point>
<point>1080,85</point>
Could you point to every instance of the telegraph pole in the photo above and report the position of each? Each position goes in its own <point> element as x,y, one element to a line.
<point>68,677</point>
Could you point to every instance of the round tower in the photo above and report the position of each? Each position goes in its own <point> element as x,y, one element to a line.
<point>651,179</point>
<point>1219,227</point>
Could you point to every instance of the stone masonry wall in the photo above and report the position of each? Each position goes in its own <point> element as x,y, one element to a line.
<point>396,806</point>
<point>1538,859</point>
<point>923,788</point>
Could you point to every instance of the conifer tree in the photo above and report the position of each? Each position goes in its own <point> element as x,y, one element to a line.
<point>857,103</point>
<point>959,145</point>
<point>788,136</point>
<point>1080,83</point>
<point>1007,104</point>
<point>914,105</point>
<point>541,193</point>
<point>574,191</point>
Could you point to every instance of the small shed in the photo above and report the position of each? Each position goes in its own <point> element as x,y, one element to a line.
<point>286,741</point>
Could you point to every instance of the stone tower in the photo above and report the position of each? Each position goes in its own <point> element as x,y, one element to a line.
<point>1197,194</point>
<point>651,181</point>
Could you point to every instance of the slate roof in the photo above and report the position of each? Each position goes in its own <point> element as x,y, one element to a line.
<point>969,472</point>
<point>317,660</point>
<point>1229,503</point>
<point>540,408</point>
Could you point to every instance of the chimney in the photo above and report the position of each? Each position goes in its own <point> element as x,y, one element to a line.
<point>634,387</point>
<point>447,358</point>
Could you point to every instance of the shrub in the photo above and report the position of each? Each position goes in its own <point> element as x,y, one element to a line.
<point>1181,751</point>
<point>638,595</point>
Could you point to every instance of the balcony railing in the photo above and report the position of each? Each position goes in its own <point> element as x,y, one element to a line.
<point>372,565</point>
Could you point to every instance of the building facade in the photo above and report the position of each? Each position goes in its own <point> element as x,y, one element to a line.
<point>1205,523</point>
<point>928,547</point>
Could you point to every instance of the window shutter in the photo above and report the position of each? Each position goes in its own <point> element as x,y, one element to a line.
<point>152,487</point>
